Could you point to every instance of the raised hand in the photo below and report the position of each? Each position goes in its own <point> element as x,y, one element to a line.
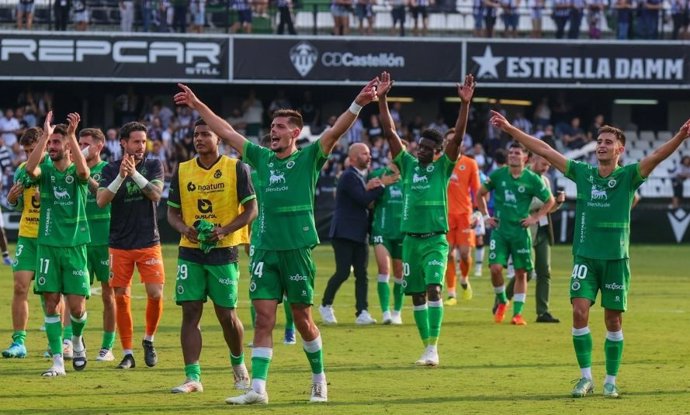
<point>498,120</point>
<point>48,126</point>
<point>685,129</point>
<point>466,90</point>
<point>73,119</point>
<point>368,93</point>
<point>186,97</point>
<point>385,83</point>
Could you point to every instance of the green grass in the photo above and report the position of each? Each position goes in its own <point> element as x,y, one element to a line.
<point>485,368</point>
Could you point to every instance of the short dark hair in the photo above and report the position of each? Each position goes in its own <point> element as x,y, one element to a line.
<point>620,136</point>
<point>30,136</point>
<point>199,121</point>
<point>516,144</point>
<point>500,156</point>
<point>433,135</point>
<point>60,129</point>
<point>96,133</point>
<point>294,117</point>
<point>131,127</point>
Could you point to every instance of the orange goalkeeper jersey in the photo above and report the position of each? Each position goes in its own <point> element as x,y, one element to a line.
<point>463,185</point>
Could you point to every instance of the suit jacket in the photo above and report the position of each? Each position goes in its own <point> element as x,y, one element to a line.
<point>351,216</point>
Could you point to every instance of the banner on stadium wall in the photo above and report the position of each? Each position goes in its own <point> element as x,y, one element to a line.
<point>569,64</point>
<point>649,226</point>
<point>349,60</point>
<point>63,56</point>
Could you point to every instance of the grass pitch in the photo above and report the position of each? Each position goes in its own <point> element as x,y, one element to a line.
<point>485,368</point>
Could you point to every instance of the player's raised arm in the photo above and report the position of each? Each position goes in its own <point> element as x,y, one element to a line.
<point>465,93</point>
<point>533,144</point>
<point>387,125</point>
<point>218,125</point>
<point>347,118</point>
<point>36,156</point>
<point>660,154</point>
<point>83,171</point>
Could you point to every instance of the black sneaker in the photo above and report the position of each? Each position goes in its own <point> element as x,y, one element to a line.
<point>127,362</point>
<point>150,356</point>
<point>547,318</point>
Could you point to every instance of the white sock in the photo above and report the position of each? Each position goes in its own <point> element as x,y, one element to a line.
<point>259,385</point>
<point>128,351</point>
<point>149,338</point>
<point>58,360</point>
<point>610,379</point>
<point>586,372</point>
<point>77,343</point>
<point>318,377</point>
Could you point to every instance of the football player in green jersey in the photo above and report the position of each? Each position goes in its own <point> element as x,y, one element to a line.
<point>62,235</point>
<point>92,140</point>
<point>513,187</point>
<point>285,230</point>
<point>425,213</point>
<point>606,192</point>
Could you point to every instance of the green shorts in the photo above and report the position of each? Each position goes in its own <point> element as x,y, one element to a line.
<point>611,276</point>
<point>196,282</point>
<point>393,246</point>
<point>424,262</point>
<point>277,273</point>
<point>519,247</point>
<point>98,262</point>
<point>62,270</point>
<point>25,254</point>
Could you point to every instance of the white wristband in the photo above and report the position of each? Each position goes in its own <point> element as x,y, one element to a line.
<point>115,185</point>
<point>355,108</point>
<point>139,179</point>
<point>486,217</point>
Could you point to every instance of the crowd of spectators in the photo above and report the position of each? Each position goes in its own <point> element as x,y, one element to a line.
<point>626,19</point>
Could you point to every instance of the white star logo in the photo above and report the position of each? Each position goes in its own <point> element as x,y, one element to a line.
<point>487,64</point>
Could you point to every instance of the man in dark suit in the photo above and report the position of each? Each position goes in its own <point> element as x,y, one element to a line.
<point>348,232</point>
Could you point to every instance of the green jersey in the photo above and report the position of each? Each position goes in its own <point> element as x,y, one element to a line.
<point>285,193</point>
<point>99,218</point>
<point>425,201</point>
<point>602,211</point>
<point>513,196</point>
<point>388,210</point>
<point>63,207</point>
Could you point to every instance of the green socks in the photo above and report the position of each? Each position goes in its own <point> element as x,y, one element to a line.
<point>54,332</point>
<point>108,340</point>
<point>421,318</point>
<point>289,322</point>
<point>613,348</point>
<point>384,292</point>
<point>261,360</point>
<point>19,336</point>
<point>398,294</point>
<point>435,320</point>
<point>193,372</point>
<point>314,351</point>
<point>582,341</point>
<point>236,360</point>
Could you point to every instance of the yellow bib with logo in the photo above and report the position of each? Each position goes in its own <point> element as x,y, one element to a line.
<point>211,194</point>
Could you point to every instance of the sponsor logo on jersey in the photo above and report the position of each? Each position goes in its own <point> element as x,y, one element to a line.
<point>395,192</point>
<point>79,273</point>
<point>276,177</point>
<point>297,277</point>
<point>226,281</point>
<point>218,174</point>
<point>290,164</point>
<point>69,179</point>
<point>612,183</point>
<point>521,189</point>
<point>614,287</point>
<point>598,193</point>
<point>524,251</point>
<point>205,188</point>
<point>575,286</point>
<point>152,261</point>
<point>204,206</point>
<point>509,196</point>
<point>436,262</point>
<point>419,179</point>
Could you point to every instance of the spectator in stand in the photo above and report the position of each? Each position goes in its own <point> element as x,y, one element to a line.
<point>682,173</point>
<point>510,17</point>
<point>81,15</point>
<point>126,15</point>
<point>279,102</point>
<point>261,8</point>
<point>439,124</point>
<point>285,19</point>
<point>490,12</point>
<point>420,9</point>
<point>573,136</point>
<point>523,123</point>
<point>624,18</point>
<point>9,128</point>
<point>379,152</point>
<point>479,156</point>
<point>61,12</point>
<point>340,9</point>
<point>681,18</point>
<point>356,132</point>
<point>537,14</point>
<point>576,12</point>
<point>398,14</point>
<point>542,113</point>
<point>198,9</point>
<point>416,127</point>
<point>237,120</point>
<point>593,131</point>
<point>180,8</point>
<point>374,129</point>
<point>478,15</point>
<point>648,22</point>
<point>364,11</point>
<point>310,111</point>
<point>253,112</point>
<point>25,10</point>
<point>113,148</point>
<point>561,15</point>
<point>595,17</point>
<point>147,7</point>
